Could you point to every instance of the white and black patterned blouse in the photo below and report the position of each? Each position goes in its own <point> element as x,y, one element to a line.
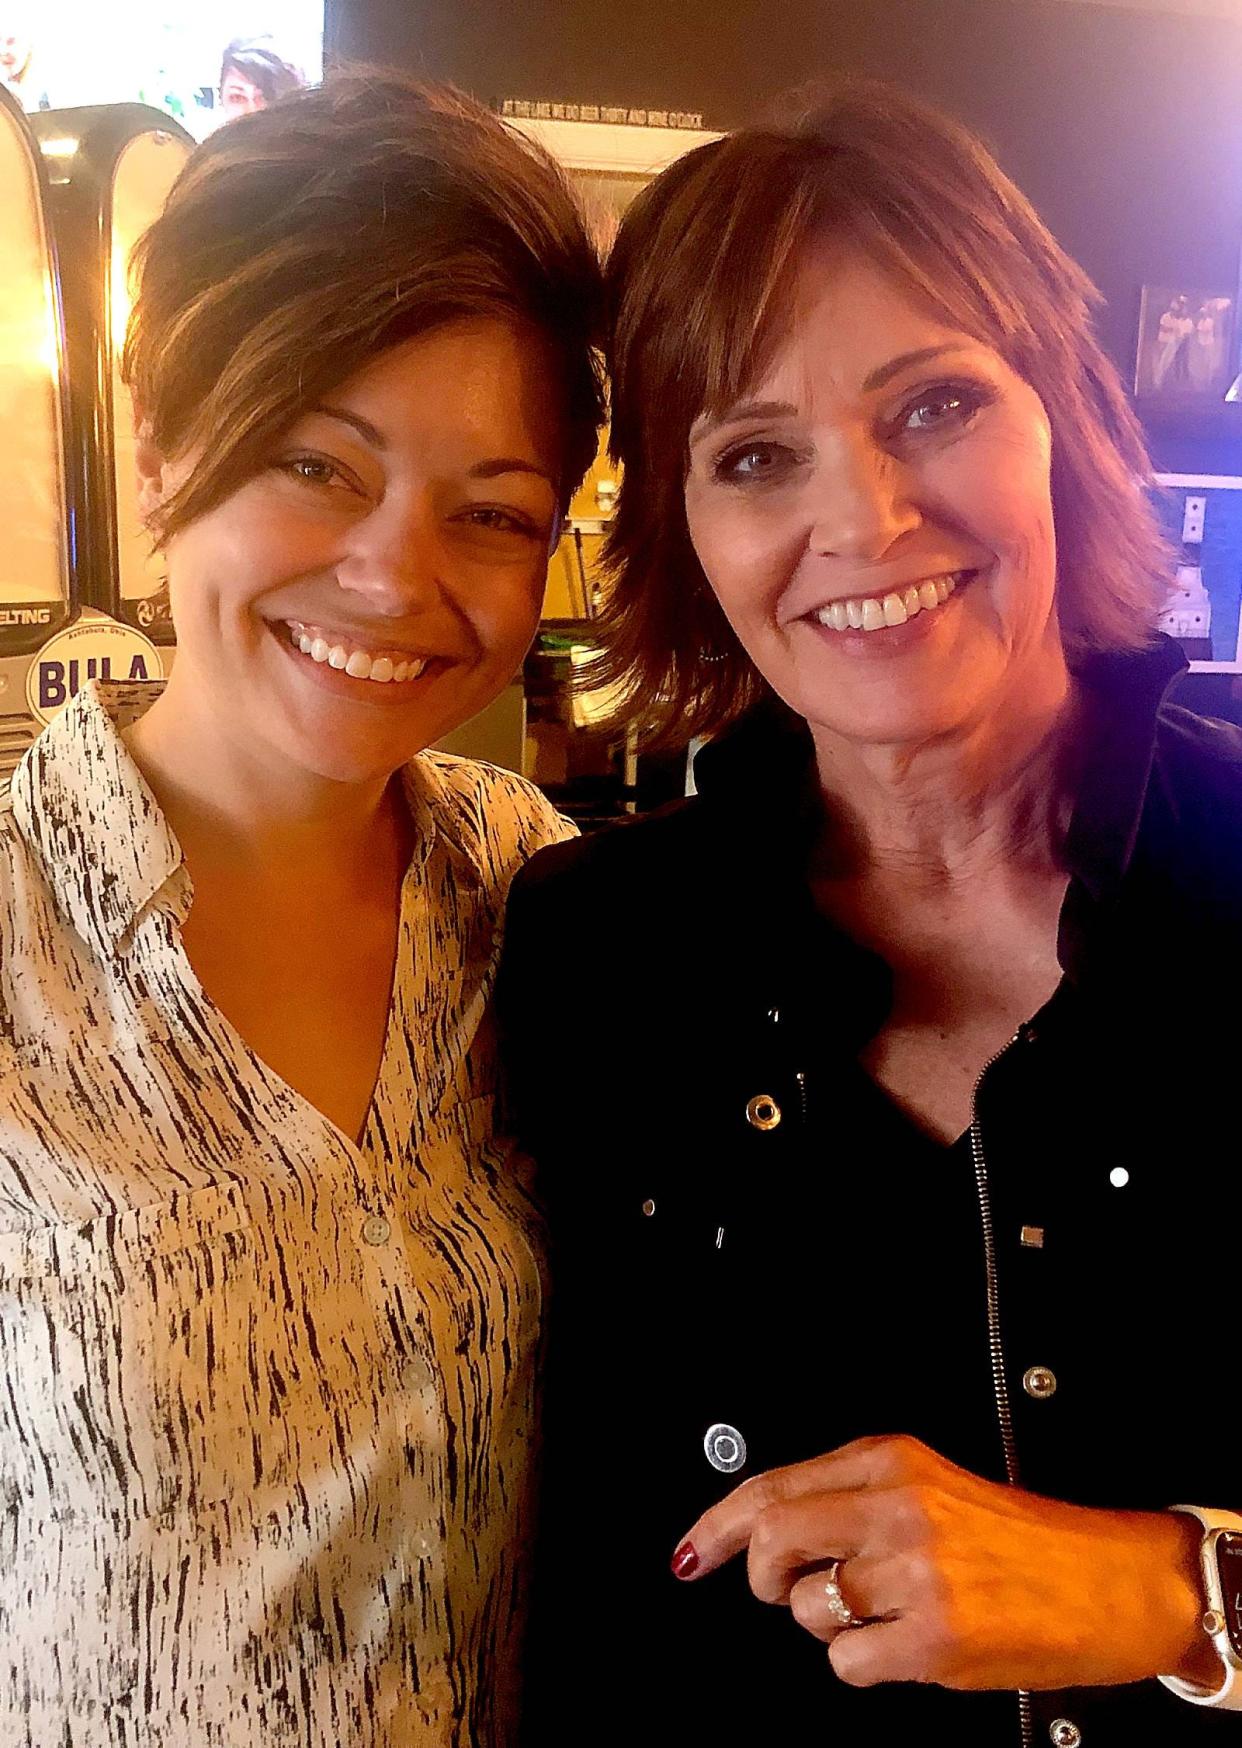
<point>265,1395</point>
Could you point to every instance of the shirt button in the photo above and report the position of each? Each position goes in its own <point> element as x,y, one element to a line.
<point>725,1448</point>
<point>1063,1734</point>
<point>1119,1177</point>
<point>1039,1382</point>
<point>376,1230</point>
<point>763,1112</point>
<point>417,1374</point>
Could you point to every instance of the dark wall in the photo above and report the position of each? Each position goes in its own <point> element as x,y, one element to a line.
<point>1124,127</point>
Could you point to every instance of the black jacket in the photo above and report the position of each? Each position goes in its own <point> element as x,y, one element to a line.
<point>825,1277</point>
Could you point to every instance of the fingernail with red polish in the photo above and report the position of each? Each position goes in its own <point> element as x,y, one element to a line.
<point>685,1561</point>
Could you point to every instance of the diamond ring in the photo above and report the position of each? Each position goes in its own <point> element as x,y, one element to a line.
<point>840,1610</point>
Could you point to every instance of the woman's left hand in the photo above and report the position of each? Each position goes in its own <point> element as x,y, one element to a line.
<point>961,1581</point>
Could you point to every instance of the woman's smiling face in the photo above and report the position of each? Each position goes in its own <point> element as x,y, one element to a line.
<point>378,582</point>
<point>875,517</point>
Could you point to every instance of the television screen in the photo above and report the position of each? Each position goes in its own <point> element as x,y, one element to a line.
<point>203,64</point>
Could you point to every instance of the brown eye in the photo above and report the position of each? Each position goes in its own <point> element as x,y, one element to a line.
<point>943,408</point>
<point>752,461</point>
<point>316,471</point>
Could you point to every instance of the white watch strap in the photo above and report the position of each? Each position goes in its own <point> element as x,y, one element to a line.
<point>1228,1696</point>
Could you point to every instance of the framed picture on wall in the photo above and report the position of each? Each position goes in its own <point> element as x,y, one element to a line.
<point>1185,345</point>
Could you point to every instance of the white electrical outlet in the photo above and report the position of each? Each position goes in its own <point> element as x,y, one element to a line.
<point>1193,512</point>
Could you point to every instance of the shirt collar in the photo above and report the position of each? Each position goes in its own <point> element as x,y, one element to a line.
<point>1122,698</point>
<point>105,847</point>
<point>82,806</point>
<point>767,760</point>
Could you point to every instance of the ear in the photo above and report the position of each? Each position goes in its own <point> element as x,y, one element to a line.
<point>151,466</point>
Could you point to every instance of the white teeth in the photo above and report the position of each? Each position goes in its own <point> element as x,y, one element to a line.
<point>873,613</point>
<point>359,664</point>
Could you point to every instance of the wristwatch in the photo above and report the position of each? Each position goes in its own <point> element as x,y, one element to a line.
<point>1220,1556</point>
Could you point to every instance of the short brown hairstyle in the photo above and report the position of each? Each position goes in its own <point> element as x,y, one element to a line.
<point>698,283</point>
<point>301,240</point>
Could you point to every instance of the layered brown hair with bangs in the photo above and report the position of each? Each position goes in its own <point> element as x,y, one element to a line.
<point>699,283</point>
<point>300,241</point>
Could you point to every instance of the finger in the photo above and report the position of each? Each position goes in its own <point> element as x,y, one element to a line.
<point>726,1529</point>
<point>814,1531</point>
<point>812,1604</point>
<point>896,1650</point>
<point>873,1589</point>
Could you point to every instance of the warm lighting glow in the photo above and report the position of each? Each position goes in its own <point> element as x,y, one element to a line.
<point>119,297</point>
<point>59,147</point>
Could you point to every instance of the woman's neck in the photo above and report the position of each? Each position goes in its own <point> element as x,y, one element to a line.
<point>992,794</point>
<point>238,811</point>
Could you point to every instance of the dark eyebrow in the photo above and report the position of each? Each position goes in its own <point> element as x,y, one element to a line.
<point>501,464</point>
<point>365,429</point>
<point>512,464</point>
<point>738,415</point>
<point>886,372</point>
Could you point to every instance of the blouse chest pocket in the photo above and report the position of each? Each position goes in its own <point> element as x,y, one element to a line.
<point>121,1342</point>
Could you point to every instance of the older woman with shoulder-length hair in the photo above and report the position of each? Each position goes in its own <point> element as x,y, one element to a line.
<point>879,1192</point>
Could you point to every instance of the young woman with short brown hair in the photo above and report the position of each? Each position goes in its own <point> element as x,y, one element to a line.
<point>269,1290</point>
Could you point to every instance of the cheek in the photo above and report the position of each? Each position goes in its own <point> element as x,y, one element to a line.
<point>503,608</point>
<point>746,550</point>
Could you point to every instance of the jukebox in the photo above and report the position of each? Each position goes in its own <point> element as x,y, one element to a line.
<point>38,512</point>
<point>82,595</point>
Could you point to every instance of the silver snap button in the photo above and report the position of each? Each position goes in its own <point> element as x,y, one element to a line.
<point>1039,1382</point>
<point>649,1207</point>
<point>376,1230</point>
<point>763,1112</point>
<point>1119,1177</point>
<point>1063,1734</point>
<point>725,1448</point>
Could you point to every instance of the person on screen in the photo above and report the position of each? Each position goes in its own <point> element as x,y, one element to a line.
<point>253,76</point>
<point>17,59</point>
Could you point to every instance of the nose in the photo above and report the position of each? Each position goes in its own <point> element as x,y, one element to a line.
<point>391,562</point>
<point>863,501</point>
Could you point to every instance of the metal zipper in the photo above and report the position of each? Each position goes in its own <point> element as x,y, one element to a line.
<point>1000,1384</point>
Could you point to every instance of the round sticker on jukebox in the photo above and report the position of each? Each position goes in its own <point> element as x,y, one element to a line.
<point>94,647</point>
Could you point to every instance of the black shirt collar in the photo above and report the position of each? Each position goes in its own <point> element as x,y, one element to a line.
<point>761,775</point>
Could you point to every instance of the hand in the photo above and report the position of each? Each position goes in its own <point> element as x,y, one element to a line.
<point>961,1581</point>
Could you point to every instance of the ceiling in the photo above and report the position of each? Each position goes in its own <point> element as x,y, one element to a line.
<point>1199,8</point>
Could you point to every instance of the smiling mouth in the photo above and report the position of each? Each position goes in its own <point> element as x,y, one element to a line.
<point>879,612</point>
<point>331,649</point>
